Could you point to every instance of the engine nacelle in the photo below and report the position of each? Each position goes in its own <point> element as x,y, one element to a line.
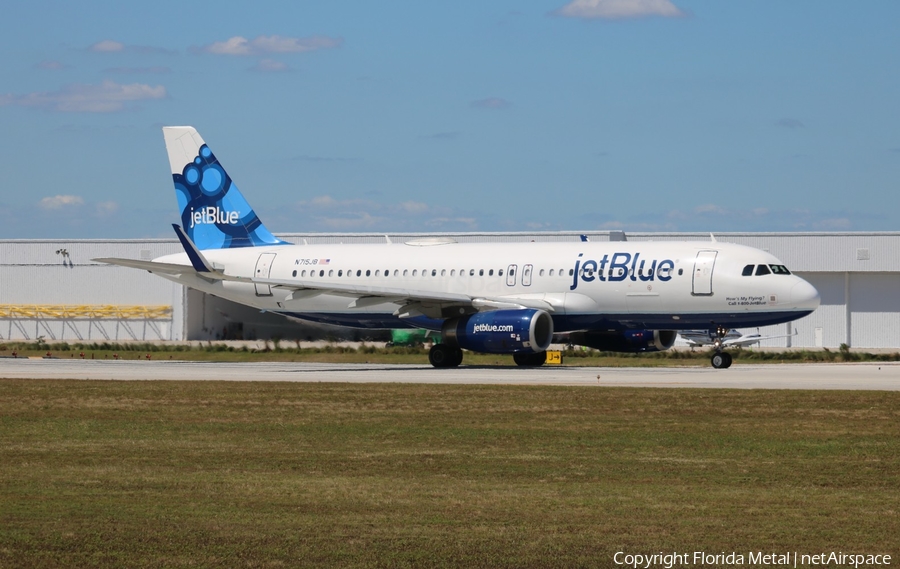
<point>631,341</point>
<point>501,331</point>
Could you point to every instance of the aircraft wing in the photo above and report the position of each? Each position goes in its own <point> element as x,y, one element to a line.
<point>167,268</point>
<point>412,301</point>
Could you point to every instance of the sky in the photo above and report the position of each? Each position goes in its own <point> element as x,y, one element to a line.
<point>350,116</point>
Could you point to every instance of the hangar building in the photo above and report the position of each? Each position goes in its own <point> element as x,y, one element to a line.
<point>52,289</point>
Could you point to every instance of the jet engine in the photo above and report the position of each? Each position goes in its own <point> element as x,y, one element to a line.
<point>630,341</point>
<point>501,331</point>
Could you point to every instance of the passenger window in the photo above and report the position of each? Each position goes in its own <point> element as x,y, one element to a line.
<point>322,273</point>
<point>415,272</point>
<point>443,272</point>
<point>551,272</point>
<point>376,272</point>
<point>295,273</point>
<point>500,273</point>
<point>434,272</point>
<point>491,273</point>
<point>481,272</point>
<point>471,272</point>
<point>358,272</point>
<point>748,270</point>
<point>762,270</point>
<point>541,273</point>
<point>571,272</point>
<point>331,273</point>
<point>341,273</point>
<point>405,272</point>
<point>680,272</point>
<point>452,272</point>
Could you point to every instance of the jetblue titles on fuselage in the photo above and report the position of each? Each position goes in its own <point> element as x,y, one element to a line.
<point>620,266</point>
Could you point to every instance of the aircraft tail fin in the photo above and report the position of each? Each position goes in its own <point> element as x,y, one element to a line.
<point>214,214</point>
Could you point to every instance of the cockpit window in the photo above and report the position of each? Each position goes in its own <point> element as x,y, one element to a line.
<point>748,270</point>
<point>762,270</point>
<point>779,270</point>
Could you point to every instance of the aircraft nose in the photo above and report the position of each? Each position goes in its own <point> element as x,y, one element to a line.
<point>805,296</point>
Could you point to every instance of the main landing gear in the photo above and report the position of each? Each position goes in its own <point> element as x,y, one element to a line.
<point>720,359</point>
<point>530,360</point>
<point>442,355</point>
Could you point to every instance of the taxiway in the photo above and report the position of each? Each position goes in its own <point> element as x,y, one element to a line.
<point>858,376</point>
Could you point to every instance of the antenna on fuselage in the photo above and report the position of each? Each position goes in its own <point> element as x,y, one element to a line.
<point>712,238</point>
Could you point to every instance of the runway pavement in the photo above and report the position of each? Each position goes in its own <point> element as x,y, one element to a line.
<point>862,376</point>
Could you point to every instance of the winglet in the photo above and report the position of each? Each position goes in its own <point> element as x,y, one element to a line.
<point>201,265</point>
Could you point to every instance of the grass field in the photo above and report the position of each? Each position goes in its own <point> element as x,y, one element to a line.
<point>206,474</point>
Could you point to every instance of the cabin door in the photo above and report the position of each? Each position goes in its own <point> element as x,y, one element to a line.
<point>703,273</point>
<point>263,268</point>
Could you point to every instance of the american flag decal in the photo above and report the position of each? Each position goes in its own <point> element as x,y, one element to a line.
<point>324,261</point>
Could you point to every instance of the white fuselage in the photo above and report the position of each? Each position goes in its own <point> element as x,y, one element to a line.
<point>596,285</point>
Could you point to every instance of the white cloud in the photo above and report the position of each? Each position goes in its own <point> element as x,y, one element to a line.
<point>491,103</point>
<point>50,66</point>
<point>619,9</point>
<point>104,209</point>
<point>414,207</point>
<point>261,45</point>
<point>61,201</point>
<point>270,66</point>
<point>108,97</point>
<point>710,209</point>
<point>153,70</point>
<point>788,122</point>
<point>112,46</point>
<point>107,46</point>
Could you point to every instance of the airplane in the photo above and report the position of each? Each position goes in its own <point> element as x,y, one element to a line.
<point>732,338</point>
<point>499,298</point>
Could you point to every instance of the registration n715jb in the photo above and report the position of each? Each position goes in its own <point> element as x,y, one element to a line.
<point>502,298</point>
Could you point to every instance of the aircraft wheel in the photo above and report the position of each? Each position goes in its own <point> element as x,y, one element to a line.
<point>442,355</point>
<point>720,360</point>
<point>457,357</point>
<point>530,360</point>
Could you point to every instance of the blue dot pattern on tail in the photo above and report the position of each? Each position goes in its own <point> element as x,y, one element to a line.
<point>213,212</point>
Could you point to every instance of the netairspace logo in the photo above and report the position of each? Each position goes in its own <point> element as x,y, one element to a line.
<point>753,558</point>
<point>213,215</point>
<point>492,328</point>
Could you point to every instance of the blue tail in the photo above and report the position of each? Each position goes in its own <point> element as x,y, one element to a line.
<point>214,214</point>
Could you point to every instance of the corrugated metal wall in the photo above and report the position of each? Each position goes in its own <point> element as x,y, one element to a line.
<point>61,272</point>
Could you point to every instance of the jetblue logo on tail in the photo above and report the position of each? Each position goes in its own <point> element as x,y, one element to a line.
<point>213,212</point>
<point>213,215</point>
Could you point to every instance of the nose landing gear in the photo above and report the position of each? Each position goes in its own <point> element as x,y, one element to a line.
<point>720,359</point>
